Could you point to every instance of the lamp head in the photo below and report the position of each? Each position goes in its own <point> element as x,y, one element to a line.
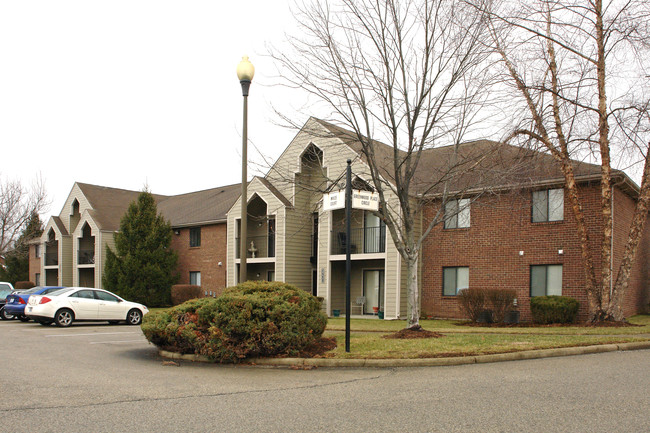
<point>245,70</point>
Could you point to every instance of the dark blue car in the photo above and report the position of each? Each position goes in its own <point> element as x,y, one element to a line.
<point>16,302</point>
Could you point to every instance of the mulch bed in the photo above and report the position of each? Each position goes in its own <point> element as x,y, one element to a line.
<point>407,334</point>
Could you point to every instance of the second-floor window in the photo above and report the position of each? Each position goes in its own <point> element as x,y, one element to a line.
<point>195,237</point>
<point>37,251</point>
<point>548,205</point>
<point>457,213</point>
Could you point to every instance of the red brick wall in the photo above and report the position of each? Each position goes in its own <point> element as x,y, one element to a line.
<point>638,295</point>
<point>34,265</point>
<point>204,259</point>
<point>501,227</point>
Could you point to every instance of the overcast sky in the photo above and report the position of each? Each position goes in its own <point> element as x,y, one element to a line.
<point>127,93</point>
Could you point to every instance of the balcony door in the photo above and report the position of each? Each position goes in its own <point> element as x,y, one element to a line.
<point>373,289</point>
<point>374,234</point>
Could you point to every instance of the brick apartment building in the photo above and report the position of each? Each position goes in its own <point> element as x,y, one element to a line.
<point>72,249</point>
<point>505,227</point>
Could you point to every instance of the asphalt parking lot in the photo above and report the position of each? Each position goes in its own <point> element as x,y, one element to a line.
<point>101,378</point>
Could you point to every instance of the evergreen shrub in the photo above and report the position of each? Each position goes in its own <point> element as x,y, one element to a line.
<point>553,309</point>
<point>256,318</point>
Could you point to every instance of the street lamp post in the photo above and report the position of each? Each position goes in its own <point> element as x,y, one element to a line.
<point>245,73</point>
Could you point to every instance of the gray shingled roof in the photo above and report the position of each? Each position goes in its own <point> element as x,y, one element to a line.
<point>201,207</point>
<point>110,204</point>
<point>487,163</point>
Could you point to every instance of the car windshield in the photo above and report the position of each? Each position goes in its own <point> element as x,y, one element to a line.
<point>59,292</point>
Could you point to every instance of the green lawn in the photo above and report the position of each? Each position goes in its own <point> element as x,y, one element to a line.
<point>374,346</point>
<point>458,339</point>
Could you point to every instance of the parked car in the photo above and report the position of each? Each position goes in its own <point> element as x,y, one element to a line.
<point>5,290</point>
<point>71,304</point>
<point>16,302</point>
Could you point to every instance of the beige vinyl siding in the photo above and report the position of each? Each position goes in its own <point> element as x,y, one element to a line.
<point>65,261</point>
<point>67,207</point>
<point>298,268</point>
<point>335,154</point>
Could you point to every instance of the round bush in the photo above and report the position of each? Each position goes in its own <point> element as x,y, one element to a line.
<point>256,318</point>
<point>553,309</point>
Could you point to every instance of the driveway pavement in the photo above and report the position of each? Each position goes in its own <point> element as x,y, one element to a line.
<point>100,378</point>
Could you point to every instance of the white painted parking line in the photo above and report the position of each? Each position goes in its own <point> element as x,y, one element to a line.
<point>94,333</point>
<point>122,341</point>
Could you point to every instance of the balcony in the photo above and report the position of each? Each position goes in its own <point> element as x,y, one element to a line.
<point>367,240</point>
<point>86,257</point>
<point>51,259</point>
<point>257,247</point>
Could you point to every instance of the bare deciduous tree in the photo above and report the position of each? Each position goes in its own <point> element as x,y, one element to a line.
<point>580,68</point>
<point>405,73</point>
<point>17,206</point>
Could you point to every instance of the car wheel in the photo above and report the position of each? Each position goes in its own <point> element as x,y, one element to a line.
<point>64,317</point>
<point>134,317</point>
<point>4,315</point>
<point>23,318</point>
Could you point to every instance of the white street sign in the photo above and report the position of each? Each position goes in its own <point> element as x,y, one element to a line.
<point>365,200</point>
<point>360,200</point>
<point>334,200</point>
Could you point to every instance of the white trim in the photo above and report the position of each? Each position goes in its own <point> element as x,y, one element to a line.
<point>360,256</point>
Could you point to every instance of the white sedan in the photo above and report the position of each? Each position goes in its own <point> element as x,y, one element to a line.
<point>70,304</point>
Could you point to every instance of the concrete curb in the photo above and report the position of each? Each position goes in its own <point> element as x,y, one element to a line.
<point>423,362</point>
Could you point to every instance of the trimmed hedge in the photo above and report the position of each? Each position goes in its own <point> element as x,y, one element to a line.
<point>24,285</point>
<point>256,318</point>
<point>184,292</point>
<point>553,309</point>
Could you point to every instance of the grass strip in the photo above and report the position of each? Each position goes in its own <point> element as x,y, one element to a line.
<point>374,346</point>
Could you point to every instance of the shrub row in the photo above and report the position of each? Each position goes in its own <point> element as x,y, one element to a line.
<point>256,318</point>
<point>24,285</point>
<point>475,302</point>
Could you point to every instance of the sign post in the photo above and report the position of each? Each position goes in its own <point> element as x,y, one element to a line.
<point>348,262</point>
<point>349,199</point>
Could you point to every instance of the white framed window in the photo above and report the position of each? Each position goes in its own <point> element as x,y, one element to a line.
<point>454,279</point>
<point>545,280</point>
<point>457,213</point>
<point>548,205</point>
<point>195,278</point>
<point>37,278</point>
<point>270,275</point>
<point>37,251</point>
